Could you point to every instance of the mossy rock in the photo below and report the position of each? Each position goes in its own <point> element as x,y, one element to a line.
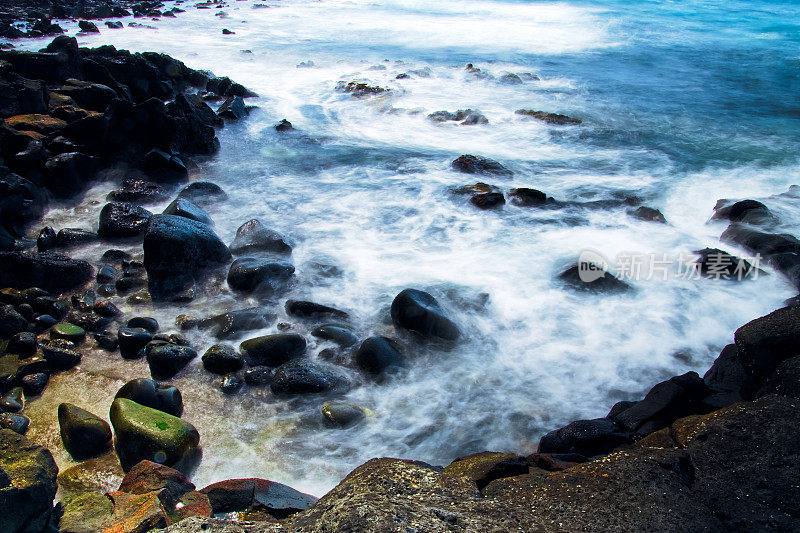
<point>146,433</point>
<point>485,467</point>
<point>70,332</point>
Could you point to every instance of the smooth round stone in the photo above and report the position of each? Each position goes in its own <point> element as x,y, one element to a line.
<point>132,342</point>
<point>84,434</point>
<point>44,322</point>
<point>338,334</point>
<point>107,341</point>
<point>222,359</point>
<point>144,322</point>
<point>13,401</point>
<point>259,376</point>
<point>34,384</point>
<point>70,332</point>
<point>230,384</point>
<point>106,274</point>
<point>342,414</point>
<point>23,344</point>
<point>147,392</point>
<point>166,359</point>
<point>16,423</point>
<point>60,354</point>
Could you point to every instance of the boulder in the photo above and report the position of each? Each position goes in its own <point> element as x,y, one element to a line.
<point>21,202</point>
<point>273,350</point>
<point>471,164</point>
<point>178,250</point>
<point>154,395</point>
<point>484,467</point>
<point>68,174</point>
<point>233,108</point>
<point>203,193</point>
<point>184,208</point>
<point>303,376</point>
<point>306,309</point>
<point>590,277</point>
<point>764,342</point>
<point>122,219</point>
<point>145,433</point>
<point>549,118</point>
<point>237,495</point>
<point>525,197</point>
<point>15,422</point>
<point>138,191</point>
<point>647,214</point>
<point>23,344</point>
<point>747,211</point>
<point>252,237</point>
<point>338,334</point>
<point>84,435</point>
<point>147,476</point>
<point>28,485</point>
<point>418,311</point>
<point>342,414</point>
<point>222,359</point>
<point>11,322</point>
<point>727,380</point>
<point>717,264</point>
<point>166,359</point>
<point>162,167</point>
<point>585,437</point>
<point>48,270</point>
<point>132,341</point>
<point>59,354</point>
<point>250,274</point>
<point>234,323</point>
<point>377,354</point>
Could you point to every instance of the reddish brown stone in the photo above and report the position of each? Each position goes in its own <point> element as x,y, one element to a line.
<point>135,513</point>
<point>148,476</point>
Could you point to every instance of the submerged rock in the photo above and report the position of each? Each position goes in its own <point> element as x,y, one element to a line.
<point>378,354</point>
<point>306,309</point>
<point>121,219</point>
<point>145,433</point>
<point>303,376</point>
<point>167,359</point>
<point>234,323</point>
<point>237,495</point>
<point>549,118</point>
<point>338,334</point>
<point>252,237</point>
<point>342,414</point>
<point>184,208</point>
<point>648,214</point>
<point>84,435</point>
<point>472,164</point>
<point>590,277</point>
<point>222,359</point>
<point>418,311</point>
<point>250,274</point>
<point>203,193</point>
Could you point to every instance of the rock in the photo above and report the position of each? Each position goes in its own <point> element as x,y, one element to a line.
<point>144,322</point>
<point>303,376</point>
<point>203,193</point>
<point>46,239</point>
<point>249,274</point>
<point>226,31</point>
<point>13,401</point>
<point>60,354</point>
<point>48,270</point>
<point>746,211</point>
<point>137,513</point>
<point>67,331</point>
<point>230,384</point>
<point>21,202</point>
<point>236,495</point>
<point>586,437</point>
<point>273,350</point>
<point>68,174</point>
<point>177,251</point>
<point>106,274</point>
<point>785,381</point>
<point>222,359</point>
<point>114,25</point>
<point>147,476</point>
<point>29,485</point>
<point>338,334</point>
<point>11,322</point>
<point>597,279</point>
<point>283,125</point>
<point>84,435</point>
<point>467,117</point>
<point>132,342</point>
<point>34,384</point>
<point>342,414</point>
<point>378,354</point>
<point>74,236</point>
<point>418,311</point>
<point>759,242</point>
<point>235,323</point>
<point>471,164</point>
<point>166,359</point>
<point>488,200</point>
<point>138,191</point>
<point>44,124</point>
<point>121,219</point>
<point>549,118</point>
<point>360,89</point>
<point>525,197</point>
<point>184,208</point>
<point>484,467</point>
<point>88,27</point>
<point>154,395</point>
<point>648,214</point>
<point>305,309</point>
<point>16,423</point>
<point>233,108</point>
<point>252,237</point>
<point>258,376</point>
<point>145,433</point>
<point>764,342</point>
<point>717,264</point>
<point>163,167</point>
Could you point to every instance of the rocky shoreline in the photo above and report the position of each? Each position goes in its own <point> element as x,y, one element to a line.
<point>713,453</point>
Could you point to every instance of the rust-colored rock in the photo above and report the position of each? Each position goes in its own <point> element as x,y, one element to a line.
<point>38,123</point>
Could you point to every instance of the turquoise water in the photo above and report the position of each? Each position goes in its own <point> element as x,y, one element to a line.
<point>682,103</point>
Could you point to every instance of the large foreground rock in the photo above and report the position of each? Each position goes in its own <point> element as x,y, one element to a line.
<point>234,495</point>
<point>27,485</point>
<point>418,311</point>
<point>176,252</point>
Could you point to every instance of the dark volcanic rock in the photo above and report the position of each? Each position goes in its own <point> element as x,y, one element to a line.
<point>234,495</point>
<point>377,354</point>
<point>484,467</point>
<point>747,211</point>
<point>234,323</point>
<point>763,343</point>
<point>222,359</point>
<point>305,309</point>
<point>303,376</point>
<point>471,164</point>
<point>467,117</point>
<point>121,219</point>
<point>526,197</point>
<point>184,208</point>
<point>167,359</point>
<point>68,174</point>
<point>418,311</point>
<point>154,395</point>
<point>549,118</point>
<point>648,214</point>
<point>335,333</point>
<point>717,264</point>
<point>203,193</point>
<point>586,437</point>
<point>176,251</point>
<point>590,277</point>
<point>132,341</point>
<point>273,350</point>
<point>252,237</point>
<point>21,202</point>
<point>48,270</point>
<point>138,191</point>
<point>249,274</point>
<point>11,322</point>
<point>84,435</point>
<point>728,380</point>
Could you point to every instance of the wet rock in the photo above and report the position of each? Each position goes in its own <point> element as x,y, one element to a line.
<point>114,25</point>
<point>338,334</point>
<point>29,485</point>
<point>509,78</point>
<point>135,512</point>
<point>306,309</point>
<point>717,264</point>
<point>43,323</point>
<point>233,108</point>
<point>34,384</point>
<point>648,214</point>
<point>236,495</point>
<point>120,219</point>
<point>16,423</point>
<point>88,27</point>
<point>585,437</point>
<point>467,117</point>
<point>785,380</point>
<point>418,311</point>
<point>21,202</point>
<point>746,211</point>
<point>144,322</point>
<point>74,237</point>
<point>162,167</point>
<point>525,197</point>
<point>106,274</point>
<point>138,191</point>
<point>283,125</point>
<point>360,89</point>
<point>154,395</point>
<point>549,118</point>
<point>84,435</point>
<point>59,354</point>
<point>11,322</point>
<point>13,401</point>
<point>259,376</point>
<point>48,270</point>
<point>222,359</point>
<point>303,376</point>
<point>145,433</point>
<point>755,241</point>
<point>68,174</point>
<point>132,341</point>
<point>591,277</point>
<point>230,383</point>
<point>378,354</point>
<point>177,251</point>
<point>488,200</point>
<point>184,208</point>
<point>167,359</point>
<point>46,239</point>
<point>23,344</point>
<point>764,342</point>
<point>252,237</point>
<point>67,331</point>
<point>273,350</point>
<point>235,323</point>
<point>147,476</point>
<point>203,193</point>
<point>250,274</point>
<point>484,467</point>
<point>471,164</point>
<point>342,414</point>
